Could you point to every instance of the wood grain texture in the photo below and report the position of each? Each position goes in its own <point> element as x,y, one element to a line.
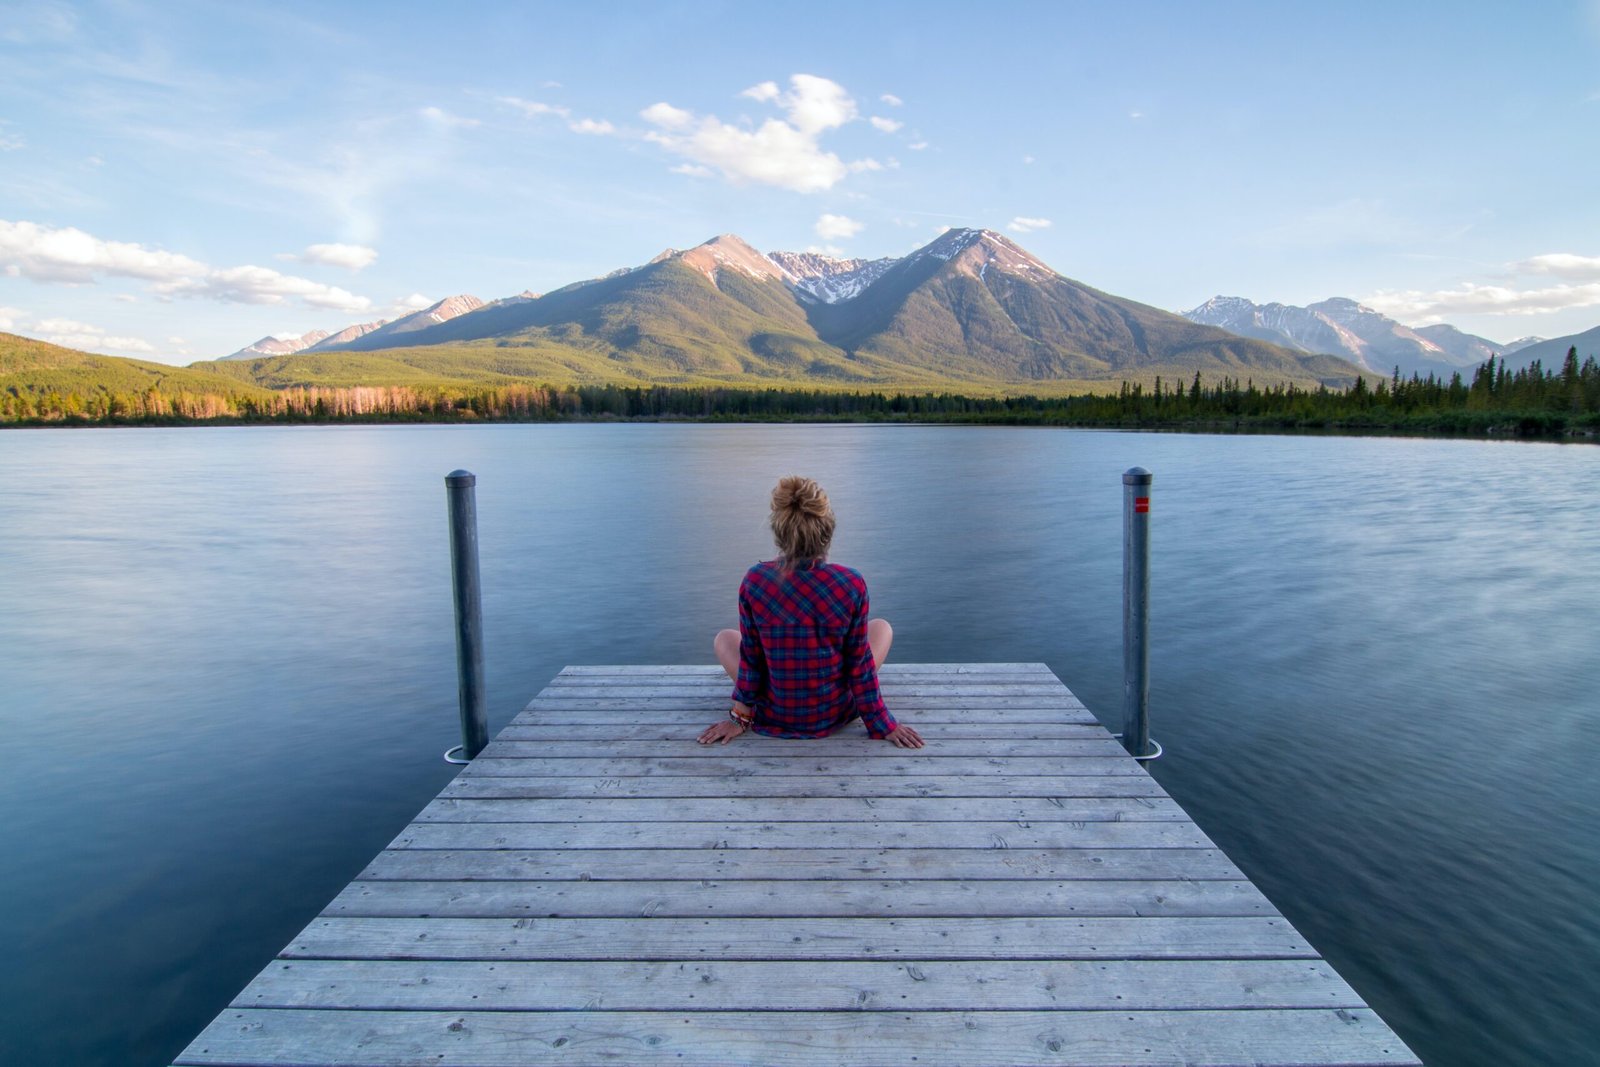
<point>1310,1038</point>
<point>773,898</point>
<point>810,786</point>
<point>867,938</point>
<point>865,833</point>
<point>1118,864</point>
<point>734,985</point>
<point>807,809</point>
<point>596,888</point>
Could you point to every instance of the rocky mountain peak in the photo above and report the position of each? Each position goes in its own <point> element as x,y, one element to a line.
<point>279,344</point>
<point>727,252</point>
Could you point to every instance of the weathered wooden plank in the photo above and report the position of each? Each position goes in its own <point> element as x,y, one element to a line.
<point>734,985</point>
<point>806,809</point>
<point>920,712</point>
<point>1028,937</point>
<point>690,726</point>
<point>890,691</point>
<point>1122,864</point>
<point>806,760</point>
<point>793,785</point>
<point>865,833</point>
<point>773,899</point>
<point>887,670</point>
<point>720,682</point>
<point>1307,1038</point>
<point>852,743</point>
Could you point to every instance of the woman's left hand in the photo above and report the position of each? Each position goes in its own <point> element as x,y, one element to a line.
<point>723,731</point>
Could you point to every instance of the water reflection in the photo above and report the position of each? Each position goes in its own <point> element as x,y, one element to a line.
<point>228,673</point>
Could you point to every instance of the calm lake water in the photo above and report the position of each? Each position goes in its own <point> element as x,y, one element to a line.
<point>227,675</point>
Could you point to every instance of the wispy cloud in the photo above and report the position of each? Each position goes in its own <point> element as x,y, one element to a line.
<point>891,99</point>
<point>597,127</point>
<point>73,334</point>
<point>837,227</point>
<point>72,257</point>
<point>444,118</point>
<point>10,142</point>
<point>1425,308</point>
<point>263,285</point>
<point>1579,288</point>
<point>1022,224</point>
<point>1562,265</point>
<point>405,305</point>
<point>885,125</point>
<point>350,257</point>
<point>534,108</point>
<point>786,153</point>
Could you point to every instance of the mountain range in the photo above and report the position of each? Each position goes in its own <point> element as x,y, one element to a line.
<point>1367,338</point>
<point>969,308</point>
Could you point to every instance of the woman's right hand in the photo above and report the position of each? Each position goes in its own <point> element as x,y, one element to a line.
<point>723,731</point>
<point>905,737</point>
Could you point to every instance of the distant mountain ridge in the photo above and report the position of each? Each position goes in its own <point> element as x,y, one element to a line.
<point>970,307</point>
<point>1552,353</point>
<point>1342,327</point>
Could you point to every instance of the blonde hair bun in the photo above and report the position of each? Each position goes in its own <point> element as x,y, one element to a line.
<point>801,495</point>
<point>802,519</point>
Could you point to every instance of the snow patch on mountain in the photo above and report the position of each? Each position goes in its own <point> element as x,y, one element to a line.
<point>824,279</point>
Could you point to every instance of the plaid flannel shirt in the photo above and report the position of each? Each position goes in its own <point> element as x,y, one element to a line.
<point>805,667</point>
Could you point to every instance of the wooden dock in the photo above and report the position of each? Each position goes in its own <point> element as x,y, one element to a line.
<point>597,888</point>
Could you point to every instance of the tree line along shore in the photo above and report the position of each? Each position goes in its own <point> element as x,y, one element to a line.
<point>1529,402</point>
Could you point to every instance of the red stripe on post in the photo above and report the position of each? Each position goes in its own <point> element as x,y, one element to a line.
<point>1141,505</point>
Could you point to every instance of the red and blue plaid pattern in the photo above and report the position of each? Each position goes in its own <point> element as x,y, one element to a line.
<point>805,667</point>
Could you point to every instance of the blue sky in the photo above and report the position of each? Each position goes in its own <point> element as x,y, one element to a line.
<point>178,179</point>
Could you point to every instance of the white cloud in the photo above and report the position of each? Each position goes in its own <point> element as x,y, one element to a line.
<point>533,108</point>
<point>837,227</point>
<point>71,257</point>
<point>1136,115</point>
<point>1027,159</point>
<point>72,334</point>
<point>125,298</point>
<point>917,146</point>
<point>1424,308</point>
<point>10,318</point>
<point>1562,265</point>
<point>350,257</point>
<point>262,285</point>
<point>665,115</point>
<point>891,99</point>
<point>786,154</point>
<point>693,170</point>
<point>826,250</point>
<point>1021,224</point>
<point>598,127</point>
<point>407,304</point>
<point>68,255</point>
<point>886,125</point>
<point>10,142</point>
<point>444,118</point>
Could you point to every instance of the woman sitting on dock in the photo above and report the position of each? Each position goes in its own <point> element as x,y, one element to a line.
<point>804,660</point>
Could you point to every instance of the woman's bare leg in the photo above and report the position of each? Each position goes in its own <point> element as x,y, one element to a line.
<point>726,644</point>
<point>880,635</point>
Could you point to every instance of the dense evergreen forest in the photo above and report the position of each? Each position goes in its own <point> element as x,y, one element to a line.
<point>1529,402</point>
